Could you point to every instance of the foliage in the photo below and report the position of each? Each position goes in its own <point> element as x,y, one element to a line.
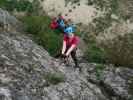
<point>21,5</point>
<point>39,27</point>
<point>119,50</point>
<point>2,2</point>
<point>94,53</point>
<point>105,4</point>
<point>54,78</point>
<point>99,70</point>
<point>102,23</point>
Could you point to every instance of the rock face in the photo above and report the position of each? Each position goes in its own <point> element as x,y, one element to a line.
<point>70,9</point>
<point>23,65</point>
<point>8,22</point>
<point>115,82</point>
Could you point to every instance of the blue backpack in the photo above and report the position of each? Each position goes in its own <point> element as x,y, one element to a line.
<point>61,23</point>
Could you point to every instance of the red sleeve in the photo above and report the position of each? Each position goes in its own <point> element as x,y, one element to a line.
<point>76,40</point>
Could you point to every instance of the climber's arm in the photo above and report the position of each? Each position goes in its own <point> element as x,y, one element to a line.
<point>70,49</point>
<point>64,47</point>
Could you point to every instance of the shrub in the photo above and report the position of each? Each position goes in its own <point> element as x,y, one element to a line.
<point>54,78</point>
<point>39,27</point>
<point>99,70</point>
<point>35,24</point>
<point>2,2</point>
<point>102,23</point>
<point>21,5</point>
<point>94,53</point>
<point>24,5</point>
<point>119,50</point>
<point>105,4</point>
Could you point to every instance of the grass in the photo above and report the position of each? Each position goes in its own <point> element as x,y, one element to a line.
<point>94,53</point>
<point>102,23</point>
<point>54,78</point>
<point>119,50</point>
<point>99,71</point>
<point>114,6</point>
<point>22,5</point>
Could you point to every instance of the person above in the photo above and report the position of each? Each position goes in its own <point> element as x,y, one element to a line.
<point>58,23</point>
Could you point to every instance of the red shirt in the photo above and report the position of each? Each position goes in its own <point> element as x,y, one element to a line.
<point>71,41</point>
<point>54,24</point>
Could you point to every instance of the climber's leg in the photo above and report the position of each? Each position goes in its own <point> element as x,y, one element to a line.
<point>73,55</point>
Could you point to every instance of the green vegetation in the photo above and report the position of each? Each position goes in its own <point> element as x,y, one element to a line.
<point>102,23</point>
<point>114,6</point>
<point>99,71</point>
<point>119,50</point>
<point>39,27</point>
<point>94,53</point>
<point>105,5</point>
<point>2,2</point>
<point>21,5</point>
<point>54,78</point>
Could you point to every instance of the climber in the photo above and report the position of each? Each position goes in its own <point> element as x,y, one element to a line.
<point>70,42</point>
<point>58,23</point>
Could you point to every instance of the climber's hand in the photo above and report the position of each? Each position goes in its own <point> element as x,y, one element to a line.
<point>65,59</point>
<point>64,56</point>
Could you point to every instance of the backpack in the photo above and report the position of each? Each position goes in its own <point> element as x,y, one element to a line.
<point>61,23</point>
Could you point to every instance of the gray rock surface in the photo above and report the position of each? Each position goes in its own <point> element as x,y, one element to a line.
<point>7,21</point>
<point>116,82</point>
<point>23,65</point>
